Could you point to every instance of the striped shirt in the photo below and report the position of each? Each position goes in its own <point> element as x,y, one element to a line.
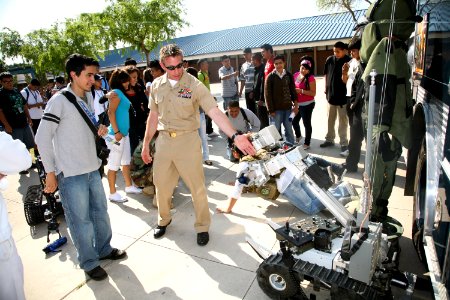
<point>247,74</point>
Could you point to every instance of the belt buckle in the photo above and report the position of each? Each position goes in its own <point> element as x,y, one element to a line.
<point>172,134</point>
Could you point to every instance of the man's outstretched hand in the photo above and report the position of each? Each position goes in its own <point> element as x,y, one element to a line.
<point>242,142</point>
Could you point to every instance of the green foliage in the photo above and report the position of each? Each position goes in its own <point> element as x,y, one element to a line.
<point>139,23</point>
<point>2,66</point>
<point>143,25</point>
<point>10,43</point>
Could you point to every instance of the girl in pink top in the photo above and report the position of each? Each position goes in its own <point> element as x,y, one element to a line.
<point>305,85</point>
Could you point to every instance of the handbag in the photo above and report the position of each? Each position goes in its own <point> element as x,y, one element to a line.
<point>100,145</point>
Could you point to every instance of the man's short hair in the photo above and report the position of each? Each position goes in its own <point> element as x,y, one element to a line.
<point>224,57</point>
<point>130,62</point>
<point>279,56</point>
<point>156,65</point>
<point>248,50</point>
<point>170,50</point>
<point>5,75</point>
<point>200,61</point>
<point>51,80</point>
<point>340,45</point>
<point>233,103</point>
<point>35,82</point>
<point>267,47</point>
<point>60,79</point>
<point>257,56</point>
<point>355,43</point>
<point>77,63</point>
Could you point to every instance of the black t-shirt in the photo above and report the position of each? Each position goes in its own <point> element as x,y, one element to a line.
<point>12,104</point>
<point>336,89</point>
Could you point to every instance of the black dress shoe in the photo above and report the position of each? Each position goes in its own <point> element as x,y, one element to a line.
<point>97,273</point>
<point>115,254</point>
<point>160,230</point>
<point>202,238</point>
<point>326,144</point>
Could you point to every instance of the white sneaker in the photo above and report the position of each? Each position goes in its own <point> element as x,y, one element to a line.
<point>213,134</point>
<point>133,190</point>
<point>344,153</point>
<point>118,198</point>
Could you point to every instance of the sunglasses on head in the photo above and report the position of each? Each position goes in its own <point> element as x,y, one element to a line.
<point>171,68</point>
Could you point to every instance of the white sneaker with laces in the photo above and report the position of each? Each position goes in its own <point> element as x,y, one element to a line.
<point>133,190</point>
<point>118,198</point>
<point>344,153</point>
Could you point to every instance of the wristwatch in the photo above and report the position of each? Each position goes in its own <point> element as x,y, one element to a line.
<point>235,135</point>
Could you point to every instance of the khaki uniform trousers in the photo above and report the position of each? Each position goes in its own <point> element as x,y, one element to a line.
<point>180,156</point>
<point>335,111</point>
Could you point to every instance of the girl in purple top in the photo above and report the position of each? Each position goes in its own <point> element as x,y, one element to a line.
<point>305,85</point>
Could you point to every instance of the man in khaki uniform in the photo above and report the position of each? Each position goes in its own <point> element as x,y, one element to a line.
<point>175,99</point>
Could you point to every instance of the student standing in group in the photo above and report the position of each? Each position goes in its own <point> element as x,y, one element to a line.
<point>305,85</point>
<point>203,76</point>
<point>336,91</point>
<point>202,129</point>
<point>351,74</point>
<point>246,78</point>
<point>175,99</point>
<point>139,110</point>
<point>35,102</point>
<point>118,140</point>
<point>228,78</point>
<point>281,97</point>
<point>68,151</point>
<point>267,53</point>
<point>258,90</point>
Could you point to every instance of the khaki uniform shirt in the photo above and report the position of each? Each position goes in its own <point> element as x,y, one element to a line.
<point>178,106</point>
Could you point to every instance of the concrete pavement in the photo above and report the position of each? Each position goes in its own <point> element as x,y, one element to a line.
<point>174,267</point>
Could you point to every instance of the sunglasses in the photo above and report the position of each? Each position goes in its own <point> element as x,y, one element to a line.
<point>172,68</point>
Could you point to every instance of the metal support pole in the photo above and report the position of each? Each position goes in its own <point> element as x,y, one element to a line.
<point>370,116</point>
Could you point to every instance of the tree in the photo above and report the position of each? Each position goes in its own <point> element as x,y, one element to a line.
<point>141,24</point>
<point>341,5</point>
<point>48,49</point>
<point>10,43</point>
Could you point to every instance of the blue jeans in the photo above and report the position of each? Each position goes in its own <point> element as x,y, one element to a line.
<point>85,207</point>
<point>202,133</point>
<point>227,100</point>
<point>282,117</point>
<point>300,195</point>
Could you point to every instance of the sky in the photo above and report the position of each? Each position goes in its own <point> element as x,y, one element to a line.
<point>203,16</point>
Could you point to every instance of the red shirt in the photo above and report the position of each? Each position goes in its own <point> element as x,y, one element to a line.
<point>270,66</point>
<point>302,85</point>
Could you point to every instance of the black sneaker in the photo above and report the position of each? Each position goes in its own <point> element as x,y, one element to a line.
<point>24,172</point>
<point>97,273</point>
<point>202,238</point>
<point>326,144</point>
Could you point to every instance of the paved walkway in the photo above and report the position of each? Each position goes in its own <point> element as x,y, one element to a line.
<point>174,267</point>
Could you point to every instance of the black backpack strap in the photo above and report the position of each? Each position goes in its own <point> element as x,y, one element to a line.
<point>73,100</point>
<point>244,115</point>
<point>28,93</point>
